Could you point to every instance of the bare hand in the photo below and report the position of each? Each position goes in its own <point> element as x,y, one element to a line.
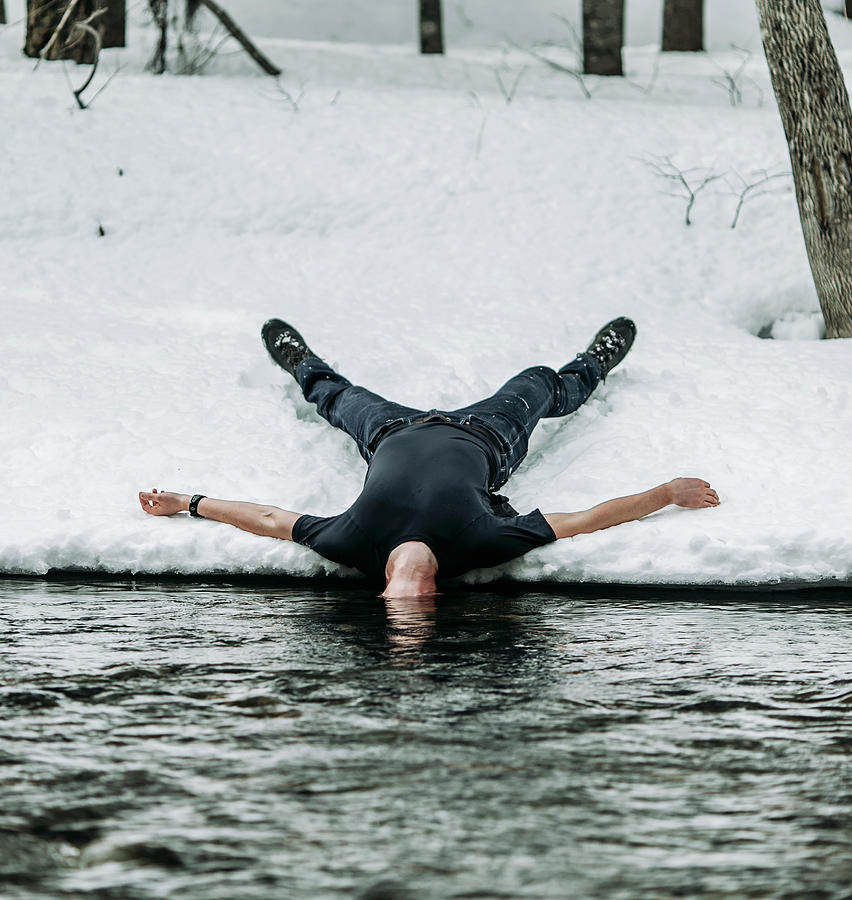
<point>163,503</point>
<point>693,493</point>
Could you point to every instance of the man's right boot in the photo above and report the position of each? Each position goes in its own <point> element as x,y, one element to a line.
<point>285,345</point>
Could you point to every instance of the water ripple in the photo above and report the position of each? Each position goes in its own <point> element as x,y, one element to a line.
<point>212,742</point>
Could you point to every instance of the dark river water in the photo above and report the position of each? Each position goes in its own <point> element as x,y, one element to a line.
<point>220,741</point>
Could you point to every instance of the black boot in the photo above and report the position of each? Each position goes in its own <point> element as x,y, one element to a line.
<point>285,345</point>
<point>611,343</point>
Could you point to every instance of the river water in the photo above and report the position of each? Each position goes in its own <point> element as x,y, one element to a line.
<point>241,742</point>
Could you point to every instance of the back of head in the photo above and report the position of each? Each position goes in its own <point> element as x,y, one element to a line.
<point>410,571</point>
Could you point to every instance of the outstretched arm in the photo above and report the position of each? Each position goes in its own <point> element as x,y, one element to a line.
<point>269,521</point>
<point>691,493</point>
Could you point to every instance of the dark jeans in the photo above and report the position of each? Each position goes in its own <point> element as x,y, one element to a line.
<point>508,417</point>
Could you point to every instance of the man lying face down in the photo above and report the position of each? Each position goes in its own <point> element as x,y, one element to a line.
<point>429,507</point>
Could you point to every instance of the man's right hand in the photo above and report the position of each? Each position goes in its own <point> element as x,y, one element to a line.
<point>163,503</point>
<point>692,493</point>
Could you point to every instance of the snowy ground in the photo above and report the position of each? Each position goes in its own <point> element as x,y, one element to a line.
<point>430,239</point>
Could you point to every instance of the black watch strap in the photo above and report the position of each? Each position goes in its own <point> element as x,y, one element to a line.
<point>193,506</point>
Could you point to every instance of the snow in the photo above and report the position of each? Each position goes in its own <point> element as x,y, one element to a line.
<point>429,239</point>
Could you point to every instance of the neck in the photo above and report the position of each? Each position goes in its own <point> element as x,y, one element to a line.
<point>411,571</point>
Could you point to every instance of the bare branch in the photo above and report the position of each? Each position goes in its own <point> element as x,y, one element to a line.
<point>578,42</point>
<point>574,73</point>
<point>202,53</point>
<point>103,87</point>
<point>62,22</point>
<point>509,93</point>
<point>652,81</point>
<point>687,187</point>
<point>86,28</point>
<point>478,145</point>
<point>293,101</point>
<point>240,36</point>
<point>733,81</point>
<point>749,190</point>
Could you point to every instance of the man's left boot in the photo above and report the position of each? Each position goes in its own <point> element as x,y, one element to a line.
<point>285,345</point>
<point>611,343</point>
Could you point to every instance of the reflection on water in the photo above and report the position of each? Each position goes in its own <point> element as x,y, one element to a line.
<point>234,742</point>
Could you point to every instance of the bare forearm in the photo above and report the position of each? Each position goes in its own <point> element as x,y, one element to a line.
<point>609,513</point>
<point>628,509</point>
<point>269,521</point>
<point>253,517</point>
<point>691,493</point>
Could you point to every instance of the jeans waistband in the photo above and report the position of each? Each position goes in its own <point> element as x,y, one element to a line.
<point>491,439</point>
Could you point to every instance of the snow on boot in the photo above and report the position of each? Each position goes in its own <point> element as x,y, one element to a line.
<point>285,345</point>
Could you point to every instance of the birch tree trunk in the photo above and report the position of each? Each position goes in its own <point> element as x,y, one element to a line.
<point>431,27</point>
<point>603,35</point>
<point>817,118</point>
<point>683,25</point>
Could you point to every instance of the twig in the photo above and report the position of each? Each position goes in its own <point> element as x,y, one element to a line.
<point>572,29</point>
<point>687,190</point>
<point>478,145</point>
<point>749,190</point>
<point>509,93</point>
<point>731,80</point>
<point>267,65</point>
<point>108,80</point>
<point>96,36</point>
<point>7,25</point>
<point>192,65</point>
<point>652,81</point>
<point>574,73</point>
<point>62,22</point>
<point>463,16</point>
<point>293,101</point>
<point>69,44</point>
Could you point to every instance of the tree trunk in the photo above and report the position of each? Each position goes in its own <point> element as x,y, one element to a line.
<point>2,13</point>
<point>43,20</point>
<point>817,119</point>
<point>683,25</point>
<point>847,8</point>
<point>114,20</point>
<point>192,7</point>
<point>603,35</point>
<point>160,13</point>
<point>431,28</point>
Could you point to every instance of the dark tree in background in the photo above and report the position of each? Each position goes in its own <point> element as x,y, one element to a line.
<point>2,13</point>
<point>683,25</point>
<point>431,27</point>
<point>44,18</point>
<point>114,22</point>
<point>603,35</point>
<point>160,13</point>
<point>817,118</point>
